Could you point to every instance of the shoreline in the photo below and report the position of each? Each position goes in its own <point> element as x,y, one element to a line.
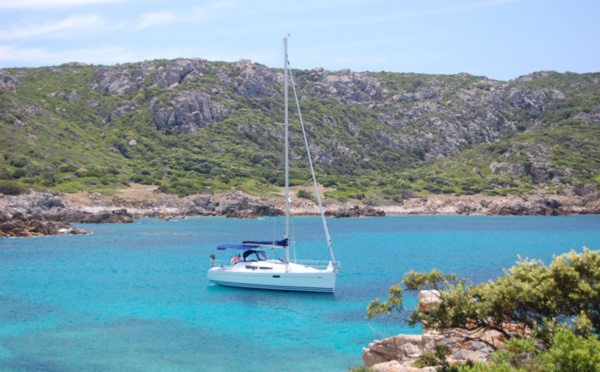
<point>142,200</point>
<point>51,213</point>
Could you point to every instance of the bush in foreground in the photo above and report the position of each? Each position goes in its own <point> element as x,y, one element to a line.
<point>555,310</point>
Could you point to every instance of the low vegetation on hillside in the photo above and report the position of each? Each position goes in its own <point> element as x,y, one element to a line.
<point>194,126</point>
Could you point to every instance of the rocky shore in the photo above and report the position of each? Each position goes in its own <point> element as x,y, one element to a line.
<point>51,213</point>
<point>399,353</point>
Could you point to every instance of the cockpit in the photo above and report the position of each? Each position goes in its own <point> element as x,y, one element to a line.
<point>253,255</point>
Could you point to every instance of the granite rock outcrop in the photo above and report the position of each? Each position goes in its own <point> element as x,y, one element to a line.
<point>399,353</point>
<point>14,223</point>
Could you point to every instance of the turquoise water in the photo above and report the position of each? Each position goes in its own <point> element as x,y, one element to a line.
<point>135,297</point>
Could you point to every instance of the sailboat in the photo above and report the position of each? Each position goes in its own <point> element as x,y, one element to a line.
<point>250,267</point>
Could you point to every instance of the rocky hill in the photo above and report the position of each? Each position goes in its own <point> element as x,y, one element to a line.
<point>194,126</point>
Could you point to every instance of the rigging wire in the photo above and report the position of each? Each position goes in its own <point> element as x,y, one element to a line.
<point>312,170</point>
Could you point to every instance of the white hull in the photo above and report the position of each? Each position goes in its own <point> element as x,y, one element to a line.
<point>274,275</point>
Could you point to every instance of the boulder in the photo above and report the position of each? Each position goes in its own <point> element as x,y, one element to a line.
<point>80,216</point>
<point>517,209</point>
<point>125,108</point>
<point>428,299</point>
<point>15,223</point>
<point>18,216</point>
<point>355,211</point>
<point>254,80</point>
<point>189,111</point>
<point>8,82</point>
<point>4,216</point>
<point>49,201</point>
<point>239,205</point>
<point>401,351</point>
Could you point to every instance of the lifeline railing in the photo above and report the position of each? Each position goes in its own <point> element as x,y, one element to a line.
<point>317,264</point>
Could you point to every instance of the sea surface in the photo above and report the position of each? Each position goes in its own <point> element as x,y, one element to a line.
<point>135,297</point>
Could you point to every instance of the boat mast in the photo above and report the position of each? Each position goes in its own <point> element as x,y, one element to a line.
<point>287,177</point>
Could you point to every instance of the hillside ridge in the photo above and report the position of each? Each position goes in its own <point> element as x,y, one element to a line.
<point>193,126</point>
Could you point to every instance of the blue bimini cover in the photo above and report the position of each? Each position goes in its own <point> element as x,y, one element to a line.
<point>279,243</point>
<point>251,244</point>
<point>235,246</point>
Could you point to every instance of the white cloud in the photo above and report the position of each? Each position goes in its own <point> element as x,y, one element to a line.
<point>9,53</point>
<point>472,6</point>
<point>14,56</point>
<point>211,10</point>
<point>154,19</point>
<point>451,9</point>
<point>161,18</point>
<point>420,9</point>
<point>207,11</point>
<point>37,4</point>
<point>49,29</point>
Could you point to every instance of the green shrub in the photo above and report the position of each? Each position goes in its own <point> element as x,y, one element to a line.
<point>571,352</point>
<point>13,188</point>
<point>360,369</point>
<point>435,358</point>
<point>304,194</point>
<point>341,195</point>
<point>67,168</point>
<point>18,173</point>
<point>19,162</point>
<point>373,199</point>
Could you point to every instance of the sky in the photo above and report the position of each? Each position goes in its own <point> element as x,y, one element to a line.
<point>499,39</point>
